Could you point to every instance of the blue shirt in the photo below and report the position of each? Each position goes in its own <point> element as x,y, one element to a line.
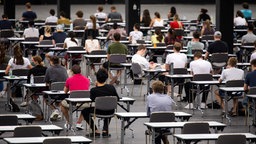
<point>250,79</point>
<point>5,24</point>
<point>29,15</point>
<point>247,13</point>
<point>159,102</point>
<point>59,37</point>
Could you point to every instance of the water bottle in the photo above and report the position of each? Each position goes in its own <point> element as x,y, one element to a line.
<point>71,27</point>
<point>31,79</point>
<point>10,73</point>
<point>171,69</point>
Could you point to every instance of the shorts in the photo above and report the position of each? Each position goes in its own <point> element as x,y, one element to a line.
<point>65,104</point>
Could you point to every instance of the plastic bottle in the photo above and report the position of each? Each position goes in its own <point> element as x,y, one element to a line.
<point>10,73</point>
<point>31,79</point>
<point>71,27</point>
<point>171,69</point>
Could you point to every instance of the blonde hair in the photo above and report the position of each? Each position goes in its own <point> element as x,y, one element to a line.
<point>176,17</point>
<point>48,29</point>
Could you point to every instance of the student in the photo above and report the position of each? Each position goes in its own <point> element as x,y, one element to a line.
<point>136,34</point>
<point>5,23</point>
<point>79,22</point>
<point>52,18</point>
<point>29,14</point>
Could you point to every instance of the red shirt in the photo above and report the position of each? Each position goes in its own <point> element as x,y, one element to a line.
<point>77,82</point>
<point>175,24</point>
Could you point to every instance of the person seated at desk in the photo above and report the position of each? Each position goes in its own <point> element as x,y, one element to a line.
<point>136,34</point>
<point>195,43</point>
<point>52,18</point>
<point>92,24</point>
<point>70,41</point>
<point>59,35</point>
<point>159,102</point>
<point>207,28</point>
<point>101,89</point>
<point>171,38</point>
<point>157,21</point>
<point>145,20</point>
<point>115,48</point>
<point>250,80</point>
<point>79,22</point>
<point>179,60</point>
<point>31,31</point>
<point>38,70</point>
<point>28,15</point>
<point>230,73</point>
<point>47,35</point>
<point>114,15</point>
<point>218,46</point>
<point>198,66</point>
<point>239,20</point>
<point>55,73</point>
<point>114,30</point>
<point>5,23</point>
<point>246,11</point>
<point>176,24</point>
<point>76,82</point>
<point>250,37</point>
<point>100,15</point>
<point>4,59</point>
<point>63,20</point>
<point>171,13</point>
<point>253,55</point>
<point>156,38</point>
<point>203,16</point>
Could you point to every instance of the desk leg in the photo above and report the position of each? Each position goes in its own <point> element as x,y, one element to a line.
<point>172,88</point>
<point>122,131</point>
<point>148,87</point>
<point>226,108</point>
<point>8,95</point>
<point>253,123</point>
<point>70,62</point>
<point>128,106</point>
<point>153,135</point>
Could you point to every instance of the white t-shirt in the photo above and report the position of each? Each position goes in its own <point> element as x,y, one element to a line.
<point>238,21</point>
<point>253,56</point>
<point>136,35</point>
<point>70,43</point>
<point>31,32</point>
<point>14,66</point>
<point>142,61</point>
<point>89,25</point>
<point>51,19</point>
<point>158,23</point>
<point>232,74</point>
<point>179,60</point>
<point>100,15</point>
<point>200,66</point>
<point>91,45</point>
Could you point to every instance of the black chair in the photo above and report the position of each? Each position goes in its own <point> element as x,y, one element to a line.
<point>57,141</point>
<point>76,58</point>
<point>45,42</point>
<point>140,41</point>
<point>28,131</point>
<point>20,72</point>
<point>59,86</point>
<point>219,60</point>
<point>178,32</point>
<point>6,33</point>
<point>231,139</point>
<point>114,62</point>
<point>96,61</point>
<point>137,76</point>
<point>179,82</point>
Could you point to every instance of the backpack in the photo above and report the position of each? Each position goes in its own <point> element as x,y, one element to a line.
<point>35,110</point>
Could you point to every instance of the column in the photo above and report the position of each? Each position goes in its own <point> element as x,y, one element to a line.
<point>9,8</point>
<point>132,14</point>
<point>63,5</point>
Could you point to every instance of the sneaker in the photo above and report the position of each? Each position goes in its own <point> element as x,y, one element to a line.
<point>79,126</point>
<point>189,106</point>
<point>66,126</point>
<point>23,104</point>
<point>203,106</point>
<point>54,116</point>
<point>97,135</point>
<point>106,135</point>
<point>59,117</point>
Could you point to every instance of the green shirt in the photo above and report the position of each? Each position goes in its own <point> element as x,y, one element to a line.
<point>117,48</point>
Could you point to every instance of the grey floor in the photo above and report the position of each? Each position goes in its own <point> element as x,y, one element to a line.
<point>189,11</point>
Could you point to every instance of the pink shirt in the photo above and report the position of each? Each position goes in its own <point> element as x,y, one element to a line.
<point>77,82</point>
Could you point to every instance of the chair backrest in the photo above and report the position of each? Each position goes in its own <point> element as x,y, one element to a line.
<point>59,45</point>
<point>179,32</point>
<point>235,83</point>
<point>197,50</point>
<point>160,44</point>
<point>117,58</point>
<point>252,90</point>
<point>80,94</point>
<point>45,42</point>
<point>57,86</point>
<point>231,139</point>
<point>31,39</point>
<point>195,128</point>
<point>162,117</point>
<point>57,141</point>
<point>28,131</point>
<point>207,37</point>
<point>39,79</point>
<point>6,33</point>
<point>20,72</point>
<point>98,52</point>
<point>248,44</point>
<point>136,69</point>
<point>8,120</point>
<point>106,103</point>
<point>202,77</point>
<point>169,47</point>
<point>159,27</point>
<point>101,19</point>
<point>51,23</point>
<point>219,57</point>
<point>180,71</point>
<point>140,41</point>
<point>76,48</point>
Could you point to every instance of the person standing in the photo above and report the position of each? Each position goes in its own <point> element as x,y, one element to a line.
<point>29,14</point>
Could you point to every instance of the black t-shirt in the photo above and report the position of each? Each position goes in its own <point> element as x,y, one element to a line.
<point>29,15</point>
<point>218,47</point>
<point>36,71</point>
<point>106,90</point>
<point>5,24</point>
<point>204,17</point>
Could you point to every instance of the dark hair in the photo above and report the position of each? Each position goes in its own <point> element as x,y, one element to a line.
<point>55,60</point>
<point>240,14</point>
<point>79,14</point>
<point>117,36</point>
<point>146,19</point>
<point>76,69</point>
<point>204,11</point>
<point>93,19</point>
<point>159,34</point>
<point>157,14</point>
<point>28,5</point>
<point>173,11</point>
<point>102,75</point>
<point>31,23</point>
<point>250,27</point>
<point>245,5</point>
<point>253,62</point>
<point>158,87</point>
<point>115,25</point>
<point>72,35</point>
<point>113,8</point>
<point>177,46</point>
<point>4,16</point>
<point>100,8</point>
<point>137,26</point>
<point>3,48</point>
<point>18,56</point>
<point>141,47</point>
<point>52,12</point>
<point>196,34</point>
<point>38,59</point>
<point>62,13</point>
<point>198,54</point>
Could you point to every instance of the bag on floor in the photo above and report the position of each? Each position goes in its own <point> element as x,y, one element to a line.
<point>214,105</point>
<point>35,110</point>
<point>13,106</point>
